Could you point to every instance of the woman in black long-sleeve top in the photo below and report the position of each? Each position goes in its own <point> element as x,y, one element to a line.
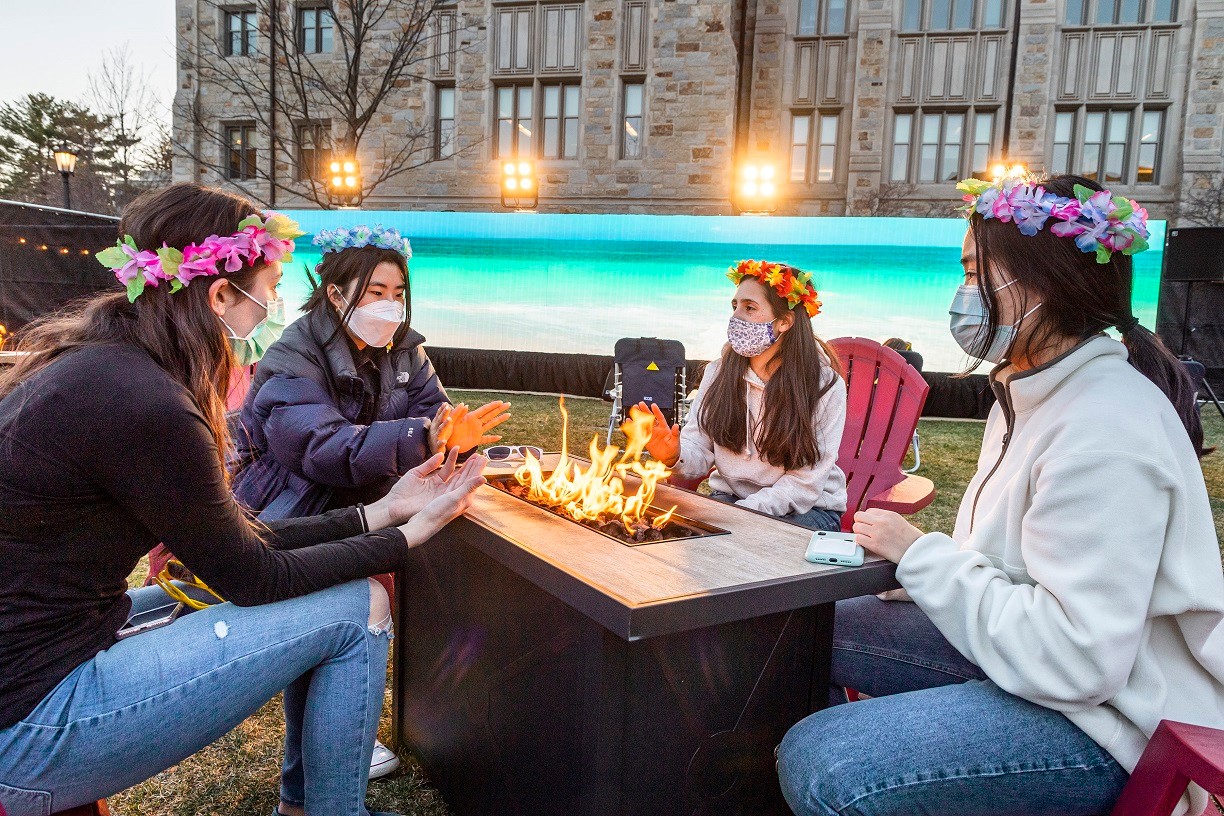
<point>112,439</point>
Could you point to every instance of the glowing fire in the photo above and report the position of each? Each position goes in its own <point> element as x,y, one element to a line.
<point>597,493</point>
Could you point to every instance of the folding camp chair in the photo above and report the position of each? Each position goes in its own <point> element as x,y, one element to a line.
<point>649,370</point>
<point>1202,388</point>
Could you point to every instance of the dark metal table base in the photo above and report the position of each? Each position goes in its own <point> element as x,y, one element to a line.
<point>518,704</point>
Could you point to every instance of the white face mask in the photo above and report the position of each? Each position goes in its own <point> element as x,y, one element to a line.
<point>375,324</point>
<point>968,317</point>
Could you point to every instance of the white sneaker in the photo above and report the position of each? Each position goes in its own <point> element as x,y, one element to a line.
<point>383,762</point>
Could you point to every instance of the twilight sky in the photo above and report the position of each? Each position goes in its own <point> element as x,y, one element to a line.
<point>53,45</point>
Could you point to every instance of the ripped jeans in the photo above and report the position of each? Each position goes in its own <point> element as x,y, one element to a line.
<point>152,700</point>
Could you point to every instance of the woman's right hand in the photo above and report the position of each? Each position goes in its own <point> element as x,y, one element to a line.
<point>664,443</point>
<point>449,502</point>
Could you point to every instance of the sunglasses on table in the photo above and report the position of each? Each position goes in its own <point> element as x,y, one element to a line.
<point>513,453</point>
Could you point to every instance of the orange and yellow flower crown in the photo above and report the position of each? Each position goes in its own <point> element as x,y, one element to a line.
<point>792,285</point>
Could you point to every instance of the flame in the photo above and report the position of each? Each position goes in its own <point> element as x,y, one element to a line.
<point>597,493</point>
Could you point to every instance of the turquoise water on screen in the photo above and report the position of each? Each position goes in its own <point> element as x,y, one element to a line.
<point>577,283</point>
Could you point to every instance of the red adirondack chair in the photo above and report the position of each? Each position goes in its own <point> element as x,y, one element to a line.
<point>883,402</point>
<point>1176,755</point>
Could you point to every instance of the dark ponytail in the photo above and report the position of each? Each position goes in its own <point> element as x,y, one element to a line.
<point>1152,358</point>
<point>1080,298</point>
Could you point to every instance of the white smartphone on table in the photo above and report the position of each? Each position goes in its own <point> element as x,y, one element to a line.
<point>838,549</point>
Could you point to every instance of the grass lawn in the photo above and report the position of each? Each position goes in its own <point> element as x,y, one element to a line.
<point>238,774</point>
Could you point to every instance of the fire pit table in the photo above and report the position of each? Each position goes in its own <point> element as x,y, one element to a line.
<point>542,667</point>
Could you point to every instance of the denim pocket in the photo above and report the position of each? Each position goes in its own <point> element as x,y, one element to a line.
<point>22,802</point>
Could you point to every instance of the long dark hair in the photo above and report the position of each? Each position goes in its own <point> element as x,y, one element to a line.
<point>1079,298</point>
<point>180,332</point>
<point>341,268</point>
<point>786,437</point>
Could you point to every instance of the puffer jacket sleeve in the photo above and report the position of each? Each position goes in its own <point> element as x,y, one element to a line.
<point>308,435</point>
<point>424,391</point>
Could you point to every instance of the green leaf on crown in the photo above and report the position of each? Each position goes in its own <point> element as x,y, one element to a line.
<point>170,259</point>
<point>135,287</point>
<point>113,257</point>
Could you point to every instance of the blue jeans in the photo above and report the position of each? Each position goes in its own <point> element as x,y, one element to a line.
<point>814,519</point>
<point>937,738</point>
<point>155,699</point>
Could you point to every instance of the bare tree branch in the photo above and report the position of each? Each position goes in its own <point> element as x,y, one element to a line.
<point>1203,203</point>
<point>381,48</point>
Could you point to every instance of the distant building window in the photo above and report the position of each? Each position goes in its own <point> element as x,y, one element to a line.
<point>313,150</point>
<point>446,123</point>
<point>315,30</point>
<point>1115,146</point>
<point>241,31</point>
<point>814,136</point>
<point>631,126</point>
<point>560,121</point>
<point>514,126</point>
<point>1120,12</point>
<point>952,15</point>
<point>940,146</point>
<point>822,17</point>
<point>240,152</point>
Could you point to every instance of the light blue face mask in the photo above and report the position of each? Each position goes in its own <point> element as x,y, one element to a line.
<point>248,350</point>
<point>968,320</point>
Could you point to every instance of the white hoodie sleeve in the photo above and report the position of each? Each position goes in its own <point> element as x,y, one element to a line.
<point>696,447</point>
<point>1092,540</point>
<point>797,491</point>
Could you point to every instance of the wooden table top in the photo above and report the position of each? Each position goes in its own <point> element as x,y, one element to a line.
<point>653,589</point>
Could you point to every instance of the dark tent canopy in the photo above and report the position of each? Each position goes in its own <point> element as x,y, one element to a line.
<point>47,259</point>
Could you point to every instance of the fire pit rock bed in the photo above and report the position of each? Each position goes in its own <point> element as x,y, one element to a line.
<point>544,668</point>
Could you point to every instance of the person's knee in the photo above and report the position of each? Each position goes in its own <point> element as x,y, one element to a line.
<point>807,770</point>
<point>380,607</point>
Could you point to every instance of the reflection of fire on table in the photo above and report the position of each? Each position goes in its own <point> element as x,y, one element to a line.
<point>596,495</point>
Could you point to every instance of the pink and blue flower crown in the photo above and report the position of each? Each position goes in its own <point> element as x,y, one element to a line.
<point>1099,222</point>
<point>356,237</point>
<point>269,239</point>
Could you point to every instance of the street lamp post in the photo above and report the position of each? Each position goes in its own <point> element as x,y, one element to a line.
<point>65,160</point>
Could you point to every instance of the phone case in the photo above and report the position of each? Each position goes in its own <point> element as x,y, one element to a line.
<point>829,548</point>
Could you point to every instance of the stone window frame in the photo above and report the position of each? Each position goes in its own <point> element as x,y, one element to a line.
<point>1132,147</point>
<point>248,31</point>
<point>919,16</point>
<point>299,28</point>
<point>815,144</point>
<point>1079,14</point>
<point>249,160</point>
<point>965,148</point>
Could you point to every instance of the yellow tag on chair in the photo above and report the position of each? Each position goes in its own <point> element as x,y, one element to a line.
<point>652,367</point>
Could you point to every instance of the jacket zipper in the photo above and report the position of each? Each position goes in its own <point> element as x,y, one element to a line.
<point>1010,419</point>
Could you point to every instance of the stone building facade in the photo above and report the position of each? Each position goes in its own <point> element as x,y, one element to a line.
<point>863,106</point>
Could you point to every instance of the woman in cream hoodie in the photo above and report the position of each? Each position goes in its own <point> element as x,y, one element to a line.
<point>1079,599</point>
<point>769,415</point>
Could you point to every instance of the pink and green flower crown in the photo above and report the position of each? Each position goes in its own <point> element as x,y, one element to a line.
<point>792,285</point>
<point>1099,222</point>
<point>269,239</point>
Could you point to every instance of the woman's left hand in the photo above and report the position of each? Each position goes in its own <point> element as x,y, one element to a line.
<point>418,487</point>
<point>471,428</point>
<point>884,533</point>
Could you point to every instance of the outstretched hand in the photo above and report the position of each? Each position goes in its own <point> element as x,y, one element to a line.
<point>418,487</point>
<point>664,443</point>
<point>447,501</point>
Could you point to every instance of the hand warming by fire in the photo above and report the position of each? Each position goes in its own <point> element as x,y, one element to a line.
<point>596,494</point>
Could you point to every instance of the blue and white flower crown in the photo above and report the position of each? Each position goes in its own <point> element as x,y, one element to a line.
<point>1099,221</point>
<point>343,238</point>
